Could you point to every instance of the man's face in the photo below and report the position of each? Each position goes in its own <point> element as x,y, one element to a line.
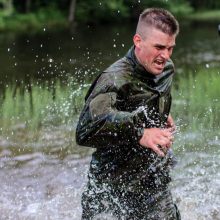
<point>154,49</point>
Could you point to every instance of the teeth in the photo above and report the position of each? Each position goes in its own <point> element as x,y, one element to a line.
<point>159,62</point>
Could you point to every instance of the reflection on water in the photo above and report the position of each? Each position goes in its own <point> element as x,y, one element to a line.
<point>197,189</point>
<point>44,78</point>
<point>36,185</point>
<point>42,188</point>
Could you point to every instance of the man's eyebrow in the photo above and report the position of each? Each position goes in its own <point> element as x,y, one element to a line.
<point>163,46</point>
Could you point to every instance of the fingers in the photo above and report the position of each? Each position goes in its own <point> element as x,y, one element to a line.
<point>170,123</point>
<point>165,138</point>
<point>157,150</point>
<point>157,139</point>
<point>168,133</point>
<point>173,128</point>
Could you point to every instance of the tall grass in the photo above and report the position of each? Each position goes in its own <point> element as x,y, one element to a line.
<point>43,106</point>
<point>210,15</point>
<point>197,100</point>
<point>49,17</point>
<point>45,119</point>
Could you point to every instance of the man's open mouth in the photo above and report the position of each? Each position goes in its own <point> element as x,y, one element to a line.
<point>160,63</point>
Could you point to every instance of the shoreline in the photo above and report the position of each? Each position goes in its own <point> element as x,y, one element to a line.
<point>35,22</point>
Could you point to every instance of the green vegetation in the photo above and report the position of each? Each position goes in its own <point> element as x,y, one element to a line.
<point>196,100</point>
<point>213,15</point>
<point>31,117</point>
<point>195,97</point>
<point>33,21</point>
<point>25,15</point>
<point>49,113</point>
<point>42,106</point>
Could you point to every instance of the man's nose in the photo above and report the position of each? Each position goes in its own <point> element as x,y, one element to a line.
<point>166,54</point>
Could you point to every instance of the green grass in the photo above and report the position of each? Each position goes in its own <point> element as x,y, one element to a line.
<point>43,120</point>
<point>196,107</point>
<point>47,123</point>
<point>48,17</point>
<point>40,108</point>
<point>197,101</point>
<point>213,15</point>
<point>54,17</point>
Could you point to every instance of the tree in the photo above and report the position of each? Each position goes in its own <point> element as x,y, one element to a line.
<point>27,6</point>
<point>72,9</point>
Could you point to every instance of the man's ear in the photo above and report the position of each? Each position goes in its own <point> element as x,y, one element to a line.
<point>137,40</point>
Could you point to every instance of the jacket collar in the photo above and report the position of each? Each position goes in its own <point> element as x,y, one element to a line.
<point>161,83</point>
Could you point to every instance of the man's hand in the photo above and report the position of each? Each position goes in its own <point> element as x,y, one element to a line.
<point>157,139</point>
<point>170,123</point>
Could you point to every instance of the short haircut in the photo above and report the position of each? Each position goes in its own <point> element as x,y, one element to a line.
<point>158,18</point>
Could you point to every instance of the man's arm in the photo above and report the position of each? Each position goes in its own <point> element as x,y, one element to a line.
<point>102,124</point>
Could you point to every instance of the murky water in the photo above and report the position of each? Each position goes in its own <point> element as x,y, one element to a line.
<point>44,77</point>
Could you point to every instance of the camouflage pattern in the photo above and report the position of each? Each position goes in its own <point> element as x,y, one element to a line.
<point>123,100</point>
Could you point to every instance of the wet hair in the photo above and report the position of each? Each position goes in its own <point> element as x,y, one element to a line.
<point>159,18</point>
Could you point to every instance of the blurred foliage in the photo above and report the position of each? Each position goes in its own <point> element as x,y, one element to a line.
<point>194,99</point>
<point>40,106</point>
<point>104,11</point>
<point>37,12</point>
<point>55,104</point>
<point>204,4</point>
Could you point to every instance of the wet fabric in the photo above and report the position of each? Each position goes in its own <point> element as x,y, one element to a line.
<point>122,101</point>
<point>104,201</point>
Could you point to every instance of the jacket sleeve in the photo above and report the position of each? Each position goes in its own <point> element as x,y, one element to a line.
<point>102,124</point>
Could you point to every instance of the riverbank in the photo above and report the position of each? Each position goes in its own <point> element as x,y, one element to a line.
<point>17,22</point>
<point>52,17</point>
<point>205,16</point>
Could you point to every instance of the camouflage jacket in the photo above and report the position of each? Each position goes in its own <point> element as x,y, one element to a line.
<point>123,100</point>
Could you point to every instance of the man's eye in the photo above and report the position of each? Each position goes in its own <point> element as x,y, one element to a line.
<point>159,48</point>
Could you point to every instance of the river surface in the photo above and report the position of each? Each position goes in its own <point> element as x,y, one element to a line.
<point>44,77</point>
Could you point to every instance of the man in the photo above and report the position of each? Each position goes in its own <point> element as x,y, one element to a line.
<point>126,118</point>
